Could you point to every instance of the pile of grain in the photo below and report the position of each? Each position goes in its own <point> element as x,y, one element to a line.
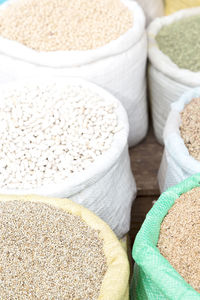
<point>47,253</point>
<point>180,41</point>
<point>179,240</point>
<point>49,132</point>
<point>65,24</point>
<point>190,127</point>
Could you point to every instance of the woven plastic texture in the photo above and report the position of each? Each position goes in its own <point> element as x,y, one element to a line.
<point>174,5</point>
<point>154,278</point>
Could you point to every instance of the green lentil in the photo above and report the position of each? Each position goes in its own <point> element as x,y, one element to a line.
<point>180,41</point>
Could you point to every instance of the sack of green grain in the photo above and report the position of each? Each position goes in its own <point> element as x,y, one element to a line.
<point>172,6</point>
<point>181,157</point>
<point>174,62</point>
<point>55,249</point>
<point>152,9</point>
<point>67,138</point>
<point>109,48</point>
<point>166,248</point>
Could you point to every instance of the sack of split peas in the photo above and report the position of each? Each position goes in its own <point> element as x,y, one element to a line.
<point>181,157</point>
<point>166,249</point>
<point>174,62</point>
<point>174,5</point>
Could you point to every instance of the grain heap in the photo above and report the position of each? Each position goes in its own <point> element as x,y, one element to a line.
<point>49,132</point>
<point>180,42</point>
<point>52,25</point>
<point>48,253</point>
<point>179,237</point>
<point>190,127</point>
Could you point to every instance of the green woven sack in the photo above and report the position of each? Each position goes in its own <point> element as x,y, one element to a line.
<point>154,278</point>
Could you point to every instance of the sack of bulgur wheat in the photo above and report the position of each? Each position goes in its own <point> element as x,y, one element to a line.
<point>54,248</point>
<point>174,62</point>
<point>172,6</point>
<point>112,55</point>
<point>67,138</point>
<point>157,276</point>
<point>181,157</point>
<point>152,9</point>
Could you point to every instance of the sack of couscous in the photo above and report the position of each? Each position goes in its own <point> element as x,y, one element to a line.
<point>55,249</point>
<point>173,5</point>
<point>174,62</point>
<point>166,249</point>
<point>181,158</point>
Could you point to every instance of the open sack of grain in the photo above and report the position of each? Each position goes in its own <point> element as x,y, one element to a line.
<point>55,249</point>
<point>173,5</point>
<point>67,138</point>
<point>174,62</point>
<point>101,41</point>
<point>181,157</point>
<point>166,249</point>
<point>152,9</point>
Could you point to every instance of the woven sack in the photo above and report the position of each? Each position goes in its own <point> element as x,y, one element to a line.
<point>154,278</point>
<point>167,82</point>
<point>113,285</point>
<point>177,164</point>
<point>119,67</point>
<point>152,9</point>
<point>107,187</point>
<point>174,5</point>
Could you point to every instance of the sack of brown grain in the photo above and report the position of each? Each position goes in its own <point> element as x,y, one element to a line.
<point>55,249</point>
<point>181,157</point>
<point>167,246</point>
<point>174,62</point>
<point>101,41</point>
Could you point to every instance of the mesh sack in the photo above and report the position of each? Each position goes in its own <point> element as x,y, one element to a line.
<point>154,278</point>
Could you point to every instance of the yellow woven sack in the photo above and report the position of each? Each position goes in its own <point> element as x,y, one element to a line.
<point>172,6</point>
<point>115,285</point>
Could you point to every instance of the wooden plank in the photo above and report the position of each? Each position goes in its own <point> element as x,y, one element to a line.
<point>140,208</point>
<point>145,161</point>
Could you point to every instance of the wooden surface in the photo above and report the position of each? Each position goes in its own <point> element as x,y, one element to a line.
<point>145,161</point>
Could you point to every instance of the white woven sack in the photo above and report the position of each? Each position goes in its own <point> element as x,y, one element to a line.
<point>152,9</point>
<point>119,67</point>
<point>167,82</point>
<point>177,164</point>
<point>107,187</point>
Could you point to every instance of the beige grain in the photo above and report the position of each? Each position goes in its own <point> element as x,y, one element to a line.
<point>65,24</point>
<point>47,253</point>
<point>179,240</point>
<point>190,127</point>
